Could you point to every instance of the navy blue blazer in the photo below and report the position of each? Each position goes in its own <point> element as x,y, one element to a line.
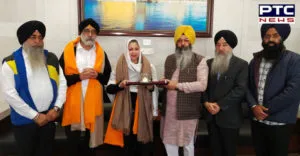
<point>282,87</point>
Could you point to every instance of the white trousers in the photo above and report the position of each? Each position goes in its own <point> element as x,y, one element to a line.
<point>172,150</point>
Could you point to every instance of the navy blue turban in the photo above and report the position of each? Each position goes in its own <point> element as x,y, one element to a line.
<point>283,30</point>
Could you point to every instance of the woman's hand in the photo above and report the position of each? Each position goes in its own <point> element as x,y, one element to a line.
<point>123,84</point>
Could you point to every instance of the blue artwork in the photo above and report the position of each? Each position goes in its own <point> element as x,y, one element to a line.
<point>147,15</point>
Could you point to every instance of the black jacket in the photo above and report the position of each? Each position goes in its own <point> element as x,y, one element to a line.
<point>229,92</point>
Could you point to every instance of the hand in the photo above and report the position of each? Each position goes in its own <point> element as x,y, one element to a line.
<point>259,112</point>
<point>93,73</point>
<point>85,74</point>
<point>172,85</point>
<point>41,120</point>
<point>213,108</point>
<point>216,108</point>
<point>52,115</point>
<point>88,73</point>
<point>123,84</point>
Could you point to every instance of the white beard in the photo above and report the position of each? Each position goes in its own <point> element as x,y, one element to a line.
<point>88,41</point>
<point>220,63</point>
<point>36,56</point>
<point>183,57</point>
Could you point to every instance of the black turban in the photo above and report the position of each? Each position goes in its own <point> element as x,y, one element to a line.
<point>283,30</point>
<point>87,22</point>
<point>229,36</point>
<point>28,28</point>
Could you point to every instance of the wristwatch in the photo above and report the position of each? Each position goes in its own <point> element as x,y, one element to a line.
<point>57,109</point>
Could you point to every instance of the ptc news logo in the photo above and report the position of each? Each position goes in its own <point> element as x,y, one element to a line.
<point>276,13</point>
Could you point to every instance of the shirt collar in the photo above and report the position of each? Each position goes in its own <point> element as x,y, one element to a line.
<point>79,47</point>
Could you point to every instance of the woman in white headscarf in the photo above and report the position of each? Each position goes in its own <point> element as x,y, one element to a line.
<point>130,124</point>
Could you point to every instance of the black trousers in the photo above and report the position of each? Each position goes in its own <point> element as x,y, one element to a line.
<point>132,147</point>
<point>78,145</point>
<point>33,140</point>
<point>270,140</point>
<point>223,141</point>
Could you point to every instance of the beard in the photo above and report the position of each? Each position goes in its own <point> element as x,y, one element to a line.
<point>220,63</point>
<point>183,56</point>
<point>272,52</point>
<point>86,40</point>
<point>36,56</point>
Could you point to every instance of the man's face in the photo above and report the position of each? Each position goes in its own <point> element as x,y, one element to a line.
<point>222,47</point>
<point>35,40</point>
<point>88,35</point>
<point>272,37</point>
<point>183,42</point>
<point>272,44</point>
<point>34,47</point>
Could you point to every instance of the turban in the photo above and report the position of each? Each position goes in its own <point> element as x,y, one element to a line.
<point>229,37</point>
<point>187,30</point>
<point>283,30</point>
<point>28,28</point>
<point>87,22</point>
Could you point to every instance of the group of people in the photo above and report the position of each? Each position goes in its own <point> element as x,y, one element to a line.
<point>40,88</point>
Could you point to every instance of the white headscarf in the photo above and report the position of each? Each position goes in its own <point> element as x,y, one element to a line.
<point>135,67</point>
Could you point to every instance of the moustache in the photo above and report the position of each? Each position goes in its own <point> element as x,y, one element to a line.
<point>89,39</point>
<point>271,42</point>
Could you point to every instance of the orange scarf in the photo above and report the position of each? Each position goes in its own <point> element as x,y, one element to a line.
<point>114,136</point>
<point>93,102</point>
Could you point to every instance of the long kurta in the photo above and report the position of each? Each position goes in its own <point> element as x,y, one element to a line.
<point>180,132</point>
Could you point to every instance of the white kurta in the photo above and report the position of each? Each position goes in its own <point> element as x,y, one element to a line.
<point>86,59</point>
<point>39,86</point>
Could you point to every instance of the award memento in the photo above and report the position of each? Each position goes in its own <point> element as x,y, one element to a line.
<point>146,80</point>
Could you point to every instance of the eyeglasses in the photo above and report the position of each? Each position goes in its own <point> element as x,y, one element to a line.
<point>89,31</point>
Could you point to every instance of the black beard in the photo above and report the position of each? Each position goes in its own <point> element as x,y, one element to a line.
<point>272,52</point>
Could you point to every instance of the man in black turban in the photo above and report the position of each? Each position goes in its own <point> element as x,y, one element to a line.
<point>227,85</point>
<point>87,69</point>
<point>35,88</point>
<point>274,87</point>
<point>28,28</point>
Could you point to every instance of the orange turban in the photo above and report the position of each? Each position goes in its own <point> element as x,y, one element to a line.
<point>187,30</point>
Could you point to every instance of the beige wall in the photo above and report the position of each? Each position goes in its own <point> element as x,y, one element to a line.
<point>60,17</point>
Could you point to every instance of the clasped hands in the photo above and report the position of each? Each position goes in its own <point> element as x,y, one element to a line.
<point>88,73</point>
<point>212,107</point>
<point>42,119</point>
<point>260,112</point>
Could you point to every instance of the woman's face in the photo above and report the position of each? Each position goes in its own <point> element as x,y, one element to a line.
<point>134,52</point>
